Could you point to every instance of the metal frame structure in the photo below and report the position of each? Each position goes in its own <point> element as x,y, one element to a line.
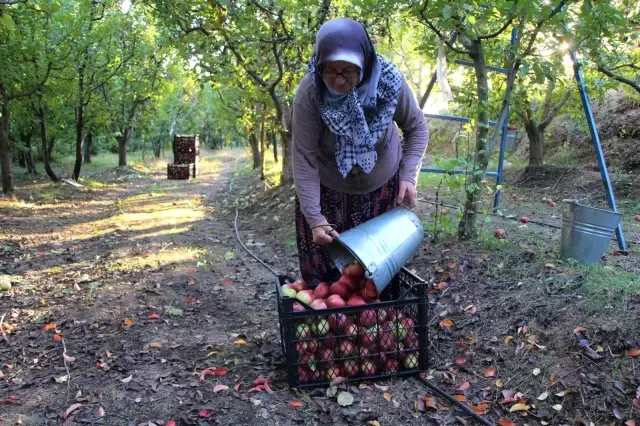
<point>591,123</point>
<point>498,174</point>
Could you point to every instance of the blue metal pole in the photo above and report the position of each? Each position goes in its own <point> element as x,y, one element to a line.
<point>503,142</point>
<point>586,103</point>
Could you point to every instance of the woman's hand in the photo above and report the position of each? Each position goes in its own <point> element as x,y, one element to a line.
<point>323,234</point>
<point>407,195</point>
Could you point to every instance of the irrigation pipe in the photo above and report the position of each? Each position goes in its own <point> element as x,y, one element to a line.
<point>436,389</point>
<point>459,404</point>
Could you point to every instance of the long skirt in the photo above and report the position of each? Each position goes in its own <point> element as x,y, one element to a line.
<point>345,211</point>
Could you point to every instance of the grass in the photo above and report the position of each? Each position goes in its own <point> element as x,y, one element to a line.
<point>607,287</point>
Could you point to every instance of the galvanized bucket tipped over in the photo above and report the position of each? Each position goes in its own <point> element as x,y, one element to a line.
<point>586,232</point>
<point>382,245</point>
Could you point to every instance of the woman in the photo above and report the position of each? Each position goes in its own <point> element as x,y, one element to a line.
<point>348,161</point>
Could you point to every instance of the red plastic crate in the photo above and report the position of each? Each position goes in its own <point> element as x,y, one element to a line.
<point>368,342</point>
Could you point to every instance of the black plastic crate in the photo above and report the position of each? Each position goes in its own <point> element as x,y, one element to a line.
<point>185,158</point>
<point>367,342</point>
<point>178,171</point>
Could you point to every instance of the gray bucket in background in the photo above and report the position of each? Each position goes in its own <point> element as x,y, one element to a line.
<point>586,232</point>
<point>382,245</point>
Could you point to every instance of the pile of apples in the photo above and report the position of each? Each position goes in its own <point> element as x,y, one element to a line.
<point>368,343</point>
<point>352,289</point>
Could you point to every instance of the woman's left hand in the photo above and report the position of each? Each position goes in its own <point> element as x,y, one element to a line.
<point>407,195</point>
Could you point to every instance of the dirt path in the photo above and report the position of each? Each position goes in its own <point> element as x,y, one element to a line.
<point>145,286</point>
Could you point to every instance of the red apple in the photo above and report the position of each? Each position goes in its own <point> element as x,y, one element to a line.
<point>382,315</point>
<point>364,352</point>
<point>312,346</point>
<point>339,288</point>
<point>299,285</point>
<point>329,341</point>
<point>301,347</point>
<point>524,219</point>
<point>320,327</point>
<point>500,233</point>
<point>370,290</point>
<point>387,325</point>
<point>325,356</point>
<point>381,360</point>
<point>391,366</point>
<point>386,341</point>
<point>355,270</point>
<point>298,307</point>
<point>407,323</point>
<point>304,374</point>
<point>368,318</point>
<point>318,304</point>
<point>637,218</point>
<point>349,282</point>
<point>333,372</point>
<point>335,301</point>
<point>287,291</point>
<point>305,296</point>
<point>346,348</point>
<point>351,332</point>
<point>321,291</point>
<point>303,331</point>
<point>411,361</point>
<point>356,301</point>
<point>308,358</point>
<point>351,368</point>
<point>368,368</point>
<point>370,336</point>
<point>338,322</point>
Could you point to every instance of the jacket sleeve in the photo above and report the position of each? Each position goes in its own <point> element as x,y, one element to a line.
<point>306,131</point>
<point>415,132</point>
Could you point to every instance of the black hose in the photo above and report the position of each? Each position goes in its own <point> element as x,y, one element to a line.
<point>459,404</point>
<point>235,227</point>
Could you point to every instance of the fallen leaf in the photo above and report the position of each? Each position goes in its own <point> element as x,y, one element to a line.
<point>549,266</point>
<point>481,408</point>
<point>13,400</point>
<point>387,396</point>
<point>463,387</point>
<point>491,372</point>
<point>295,404</point>
<point>220,371</point>
<point>446,323</point>
<point>190,282</point>
<point>536,371</point>
<point>506,422</point>
<point>226,281</point>
<point>71,409</point>
<point>100,412</point>
<point>240,342</point>
<point>236,387</point>
<point>471,309</point>
<point>429,402</point>
<point>62,379</point>
<point>633,353</point>
<point>212,372</point>
<point>460,360</point>
<point>636,402</point>
<point>127,379</point>
<point>189,299</point>
<point>154,316</point>
<point>377,423</point>
<point>345,399</point>
<point>618,414</point>
<point>155,345</point>
<point>128,322</point>
<point>220,388</point>
<point>452,266</point>
<point>499,383</point>
<point>260,380</point>
<point>49,327</point>
<point>630,423</point>
<point>519,407</point>
<point>460,398</point>
<point>171,423</point>
<point>382,388</point>
<point>557,407</point>
<point>507,340</point>
<point>442,285</point>
<point>580,330</point>
<point>267,388</point>
<point>191,271</point>
<point>205,413</point>
<point>543,396</point>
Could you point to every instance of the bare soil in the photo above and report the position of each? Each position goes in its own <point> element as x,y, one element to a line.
<point>146,286</point>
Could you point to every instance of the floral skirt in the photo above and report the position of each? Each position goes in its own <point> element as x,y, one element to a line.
<point>345,211</point>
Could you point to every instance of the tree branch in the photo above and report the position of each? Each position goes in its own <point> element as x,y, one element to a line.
<point>622,79</point>
<point>437,32</point>
<point>500,31</point>
<point>632,66</point>
<point>539,25</point>
<point>554,112</point>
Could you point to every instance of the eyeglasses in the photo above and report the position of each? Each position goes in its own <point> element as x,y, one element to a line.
<point>347,74</point>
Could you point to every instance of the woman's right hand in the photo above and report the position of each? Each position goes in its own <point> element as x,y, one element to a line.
<point>323,234</point>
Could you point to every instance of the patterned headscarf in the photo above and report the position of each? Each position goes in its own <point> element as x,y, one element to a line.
<point>359,118</point>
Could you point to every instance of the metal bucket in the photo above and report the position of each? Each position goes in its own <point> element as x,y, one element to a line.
<point>586,232</point>
<point>382,245</point>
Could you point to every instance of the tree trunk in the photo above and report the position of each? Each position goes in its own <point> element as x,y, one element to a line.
<point>467,225</point>
<point>22,159</point>
<point>28,155</point>
<point>88,141</point>
<point>46,149</point>
<point>5,154</point>
<point>285,141</point>
<point>536,144</point>
<point>255,150</point>
<point>262,150</point>
<point>274,144</point>
<point>50,145</point>
<point>122,146</point>
<point>79,137</point>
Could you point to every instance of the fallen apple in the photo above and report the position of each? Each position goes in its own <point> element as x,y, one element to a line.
<point>500,233</point>
<point>524,219</point>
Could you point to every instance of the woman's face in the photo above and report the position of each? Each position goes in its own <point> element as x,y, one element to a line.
<point>341,76</point>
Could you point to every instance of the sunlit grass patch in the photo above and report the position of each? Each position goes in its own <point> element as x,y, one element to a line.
<point>150,260</point>
<point>607,287</point>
